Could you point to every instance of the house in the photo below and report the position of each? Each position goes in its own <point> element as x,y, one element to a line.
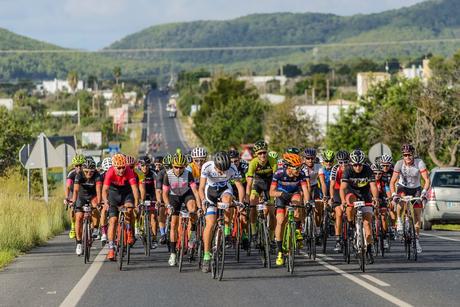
<point>365,80</point>
<point>7,103</point>
<point>56,85</point>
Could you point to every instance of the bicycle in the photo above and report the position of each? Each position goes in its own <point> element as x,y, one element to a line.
<point>360,243</point>
<point>378,231</point>
<point>310,230</point>
<point>347,242</point>
<point>122,246</point>
<point>409,235</point>
<point>263,233</point>
<point>87,238</point>
<point>237,232</point>
<point>289,237</point>
<point>182,243</point>
<point>199,239</point>
<point>325,225</point>
<point>147,207</point>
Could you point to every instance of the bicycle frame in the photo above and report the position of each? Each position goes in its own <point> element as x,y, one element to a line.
<point>87,238</point>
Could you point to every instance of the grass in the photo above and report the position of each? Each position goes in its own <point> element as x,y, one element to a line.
<point>451,227</point>
<point>25,223</point>
<point>186,125</point>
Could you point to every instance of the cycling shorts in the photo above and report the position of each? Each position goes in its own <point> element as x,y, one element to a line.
<point>415,192</point>
<point>117,199</point>
<point>176,201</point>
<point>213,194</point>
<point>366,197</point>
<point>315,192</point>
<point>282,203</point>
<point>78,207</point>
<point>260,186</point>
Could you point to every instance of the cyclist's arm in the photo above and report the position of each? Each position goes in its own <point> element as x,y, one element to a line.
<point>165,189</point>
<point>306,190</point>
<point>273,190</point>
<point>98,191</point>
<point>76,189</point>
<point>322,182</point>
<point>201,188</point>
<point>393,181</point>
<point>241,194</point>
<point>331,188</point>
<point>343,187</point>
<point>374,190</point>
<point>248,186</point>
<point>135,193</point>
<point>426,179</point>
<point>142,189</point>
<point>194,189</point>
<point>105,194</point>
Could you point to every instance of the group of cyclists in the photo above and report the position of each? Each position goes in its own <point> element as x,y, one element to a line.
<point>327,182</point>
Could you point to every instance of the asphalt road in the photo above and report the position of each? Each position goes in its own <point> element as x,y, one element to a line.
<point>52,275</point>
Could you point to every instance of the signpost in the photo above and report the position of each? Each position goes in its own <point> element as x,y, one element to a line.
<point>66,152</point>
<point>24,154</point>
<point>378,150</point>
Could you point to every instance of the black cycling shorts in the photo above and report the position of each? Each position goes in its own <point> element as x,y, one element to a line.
<point>176,201</point>
<point>78,206</point>
<point>118,199</point>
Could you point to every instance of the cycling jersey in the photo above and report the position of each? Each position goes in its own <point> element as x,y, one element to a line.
<point>159,179</point>
<point>195,170</point>
<point>178,185</point>
<point>287,184</point>
<point>87,189</point>
<point>70,180</point>
<point>120,183</point>
<point>263,172</point>
<point>409,175</point>
<point>148,180</point>
<point>358,183</point>
<point>242,169</point>
<point>336,175</point>
<point>214,179</point>
<point>313,173</point>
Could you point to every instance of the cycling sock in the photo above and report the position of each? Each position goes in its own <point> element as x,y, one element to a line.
<point>162,230</point>
<point>227,230</point>
<point>193,227</point>
<point>104,229</point>
<point>72,225</point>
<point>207,256</point>
<point>279,245</point>
<point>172,247</point>
<point>78,241</point>
<point>253,228</point>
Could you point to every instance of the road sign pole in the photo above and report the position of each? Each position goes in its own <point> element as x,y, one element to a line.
<point>45,168</point>
<point>28,173</point>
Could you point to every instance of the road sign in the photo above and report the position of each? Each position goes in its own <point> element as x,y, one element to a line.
<point>43,154</point>
<point>378,150</point>
<point>24,153</point>
<point>65,153</point>
<point>114,148</point>
<point>246,154</point>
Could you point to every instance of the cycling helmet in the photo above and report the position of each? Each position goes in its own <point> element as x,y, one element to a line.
<point>343,155</point>
<point>99,164</point>
<point>106,164</point>
<point>407,148</point>
<point>130,160</point>
<point>233,154</point>
<point>222,161</point>
<point>357,156</point>
<point>89,164</point>
<point>199,152</point>
<point>119,160</point>
<point>145,160</point>
<point>179,160</point>
<point>293,160</point>
<point>273,154</point>
<point>310,152</point>
<point>178,150</point>
<point>376,167</point>
<point>293,150</point>
<point>167,160</point>
<point>386,159</point>
<point>158,159</point>
<point>189,158</point>
<point>78,160</point>
<point>89,158</point>
<point>328,155</point>
<point>260,146</point>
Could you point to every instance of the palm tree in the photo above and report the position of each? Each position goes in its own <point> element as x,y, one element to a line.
<point>117,73</point>
<point>72,79</point>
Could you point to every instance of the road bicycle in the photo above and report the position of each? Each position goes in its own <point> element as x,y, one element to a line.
<point>289,237</point>
<point>409,234</point>
<point>87,238</point>
<point>147,208</point>
<point>182,242</point>
<point>237,232</point>
<point>325,226</point>
<point>360,244</point>
<point>122,247</point>
<point>310,230</point>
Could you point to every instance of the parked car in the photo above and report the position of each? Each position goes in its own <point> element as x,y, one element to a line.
<point>443,205</point>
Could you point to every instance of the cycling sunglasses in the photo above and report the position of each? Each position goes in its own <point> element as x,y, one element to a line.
<point>120,168</point>
<point>328,161</point>
<point>378,173</point>
<point>199,160</point>
<point>260,153</point>
<point>343,162</point>
<point>294,168</point>
<point>407,155</point>
<point>357,164</point>
<point>178,167</point>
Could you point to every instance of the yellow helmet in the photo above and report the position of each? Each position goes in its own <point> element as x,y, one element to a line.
<point>179,160</point>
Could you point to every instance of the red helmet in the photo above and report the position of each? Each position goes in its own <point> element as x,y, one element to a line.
<point>407,148</point>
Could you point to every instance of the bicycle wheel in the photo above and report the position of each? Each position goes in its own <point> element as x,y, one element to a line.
<point>237,224</point>
<point>345,250</point>
<point>292,248</point>
<point>84,241</point>
<point>221,255</point>
<point>308,227</point>
<point>266,246</point>
<point>121,244</point>
<point>215,252</point>
<point>313,234</point>
<point>249,232</point>
<point>407,240</point>
<point>182,243</point>
<point>199,241</point>
<point>145,235</point>
<point>413,239</point>
<point>325,229</point>
<point>128,252</point>
<point>381,241</point>
<point>88,241</point>
<point>361,249</point>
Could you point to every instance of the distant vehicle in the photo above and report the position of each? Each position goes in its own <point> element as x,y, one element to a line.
<point>443,205</point>
<point>172,110</point>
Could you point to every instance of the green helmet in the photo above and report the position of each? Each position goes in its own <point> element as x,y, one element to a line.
<point>167,160</point>
<point>260,146</point>
<point>178,151</point>
<point>78,160</point>
<point>273,154</point>
<point>328,155</point>
<point>293,150</point>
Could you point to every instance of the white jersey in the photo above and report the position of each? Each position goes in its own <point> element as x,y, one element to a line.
<point>409,175</point>
<point>313,173</point>
<point>214,179</point>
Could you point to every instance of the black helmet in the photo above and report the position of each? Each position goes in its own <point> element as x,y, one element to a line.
<point>158,159</point>
<point>145,160</point>
<point>343,155</point>
<point>99,164</point>
<point>232,153</point>
<point>310,152</point>
<point>357,157</point>
<point>376,167</point>
<point>260,146</point>
<point>89,164</point>
<point>222,160</point>
<point>407,148</point>
<point>293,150</point>
<point>167,160</point>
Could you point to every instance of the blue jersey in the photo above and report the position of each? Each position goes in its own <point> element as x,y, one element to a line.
<point>327,176</point>
<point>287,184</point>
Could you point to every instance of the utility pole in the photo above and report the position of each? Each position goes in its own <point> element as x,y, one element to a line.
<point>78,111</point>
<point>327,105</point>
<point>313,95</point>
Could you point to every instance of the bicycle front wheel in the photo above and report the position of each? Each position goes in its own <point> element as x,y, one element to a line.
<point>85,242</point>
<point>361,247</point>
<point>325,230</point>
<point>182,244</point>
<point>413,239</point>
<point>121,245</point>
<point>199,241</point>
<point>266,246</point>
<point>292,248</point>
<point>238,237</point>
<point>221,255</point>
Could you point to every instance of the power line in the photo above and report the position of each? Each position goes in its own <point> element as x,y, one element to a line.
<point>231,48</point>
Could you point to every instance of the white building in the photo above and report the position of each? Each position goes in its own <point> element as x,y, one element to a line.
<point>55,85</point>
<point>365,80</point>
<point>261,81</point>
<point>7,103</point>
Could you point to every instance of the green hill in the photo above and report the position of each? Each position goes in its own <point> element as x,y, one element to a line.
<point>10,40</point>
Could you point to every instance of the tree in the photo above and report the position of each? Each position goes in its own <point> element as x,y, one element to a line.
<point>291,71</point>
<point>72,79</point>
<point>117,73</point>
<point>286,127</point>
<point>118,96</point>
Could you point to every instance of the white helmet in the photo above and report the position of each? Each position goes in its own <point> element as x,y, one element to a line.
<point>106,164</point>
<point>386,159</point>
<point>199,152</point>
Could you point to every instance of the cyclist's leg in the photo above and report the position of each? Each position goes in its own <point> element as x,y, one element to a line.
<point>78,213</point>
<point>227,197</point>
<point>191,207</point>
<point>103,223</point>
<point>319,206</point>
<point>175,202</point>
<point>279,229</point>
<point>350,198</point>
<point>95,214</point>
<point>253,201</point>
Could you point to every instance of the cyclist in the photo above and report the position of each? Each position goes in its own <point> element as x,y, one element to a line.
<point>99,167</point>
<point>314,171</point>
<point>87,189</point>
<point>147,192</point>
<point>106,164</point>
<point>180,188</point>
<point>77,162</point>
<point>384,194</point>
<point>242,167</point>
<point>386,163</point>
<point>119,189</point>
<point>406,182</point>
<point>328,163</point>
<point>343,159</point>
<point>215,185</point>
<point>358,183</point>
<point>166,165</point>
<point>199,156</point>
<point>287,183</point>
<point>259,177</point>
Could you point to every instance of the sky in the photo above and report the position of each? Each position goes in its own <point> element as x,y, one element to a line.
<point>94,24</point>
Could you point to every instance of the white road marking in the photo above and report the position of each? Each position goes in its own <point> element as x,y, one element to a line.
<point>439,237</point>
<point>375,280</point>
<point>385,295</point>
<point>80,288</point>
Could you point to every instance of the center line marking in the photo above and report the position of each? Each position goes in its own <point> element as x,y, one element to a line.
<point>375,280</point>
<point>385,295</point>
<point>80,288</point>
